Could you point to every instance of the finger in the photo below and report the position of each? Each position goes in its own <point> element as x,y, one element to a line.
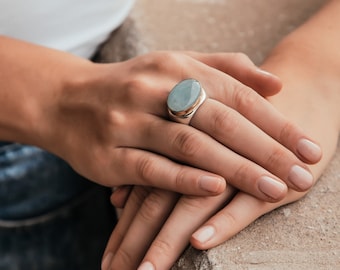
<point>189,213</point>
<point>143,229</point>
<point>180,143</point>
<point>232,130</point>
<point>200,150</point>
<point>260,112</point>
<point>237,215</point>
<point>120,195</point>
<point>239,66</point>
<point>134,202</point>
<point>138,167</point>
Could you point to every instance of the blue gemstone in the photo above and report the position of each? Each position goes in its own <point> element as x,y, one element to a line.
<point>184,95</point>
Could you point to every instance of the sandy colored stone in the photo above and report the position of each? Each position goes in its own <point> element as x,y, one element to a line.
<point>302,235</point>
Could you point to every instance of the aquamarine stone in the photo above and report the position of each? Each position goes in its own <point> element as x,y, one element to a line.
<point>184,95</point>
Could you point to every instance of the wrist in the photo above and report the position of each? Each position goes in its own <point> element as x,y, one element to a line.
<point>305,71</point>
<point>32,81</point>
<point>66,109</point>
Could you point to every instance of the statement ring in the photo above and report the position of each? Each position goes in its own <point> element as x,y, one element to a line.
<point>184,100</point>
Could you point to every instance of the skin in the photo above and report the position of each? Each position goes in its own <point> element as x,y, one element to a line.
<point>310,96</point>
<point>110,123</point>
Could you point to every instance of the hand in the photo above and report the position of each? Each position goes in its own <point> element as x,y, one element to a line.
<point>110,123</point>
<point>115,129</point>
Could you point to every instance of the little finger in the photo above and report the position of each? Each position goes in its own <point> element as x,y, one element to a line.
<point>137,167</point>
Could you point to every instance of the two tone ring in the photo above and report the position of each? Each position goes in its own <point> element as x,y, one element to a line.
<point>184,100</point>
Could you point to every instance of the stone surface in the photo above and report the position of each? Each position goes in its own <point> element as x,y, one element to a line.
<point>302,235</point>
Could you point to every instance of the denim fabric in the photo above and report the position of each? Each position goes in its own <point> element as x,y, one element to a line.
<point>72,237</point>
<point>50,217</point>
<point>33,182</point>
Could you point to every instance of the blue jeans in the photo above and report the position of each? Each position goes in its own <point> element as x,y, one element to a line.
<point>50,217</point>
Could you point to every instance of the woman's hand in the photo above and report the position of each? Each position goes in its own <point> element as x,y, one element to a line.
<point>110,121</point>
<point>115,130</point>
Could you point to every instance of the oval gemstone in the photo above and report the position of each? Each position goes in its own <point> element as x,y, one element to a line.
<point>184,95</point>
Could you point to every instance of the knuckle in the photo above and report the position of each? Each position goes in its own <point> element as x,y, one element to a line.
<point>186,143</point>
<point>164,61</point>
<point>192,203</point>
<point>224,123</point>
<point>241,57</point>
<point>145,168</point>
<point>152,208</point>
<point>181,178</point>
<point>275,158</point>
<point>116,120</point>
<point>135,85</point>
<point>244,99</point>
<point>123,257</point>
<point>138,195</point>
<point>241,175</point>
<point>228,219</point>
<point>164,247</point>
<point>286,132</point>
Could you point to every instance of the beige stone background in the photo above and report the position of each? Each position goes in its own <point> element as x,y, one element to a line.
<point>303,235</point>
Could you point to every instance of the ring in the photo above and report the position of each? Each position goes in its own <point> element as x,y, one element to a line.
<point>184,100</point>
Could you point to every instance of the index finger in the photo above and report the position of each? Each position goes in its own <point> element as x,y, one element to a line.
<point>240,67</point>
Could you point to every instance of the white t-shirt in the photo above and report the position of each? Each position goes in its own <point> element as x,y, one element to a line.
<point>76,26</point>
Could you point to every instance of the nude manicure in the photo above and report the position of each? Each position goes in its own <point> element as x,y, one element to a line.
<point>204,234</point>
<point>210,183</point>
<point>106,261</point>
<point>146,266</point>
<point>264,72</point>
<point>271,187</point>
<point>309,150</point>
<point>300,177</point>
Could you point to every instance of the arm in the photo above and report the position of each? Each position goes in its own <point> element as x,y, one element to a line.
<point>308,62</point>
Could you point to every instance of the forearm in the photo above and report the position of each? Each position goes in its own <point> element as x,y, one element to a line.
<point>31,79</point>
<point>308,62</point>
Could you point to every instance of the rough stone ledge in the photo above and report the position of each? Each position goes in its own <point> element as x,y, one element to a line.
<point>302,235</point>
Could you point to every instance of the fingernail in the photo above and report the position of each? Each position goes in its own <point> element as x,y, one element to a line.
<point>204,234</point>
<point>271,187</point>
<point>309,150</point>
<point>300,177</point>
<point>264,72</point>
<point>146,266</point>
<point>210,183</point>
<point>106,261</point>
